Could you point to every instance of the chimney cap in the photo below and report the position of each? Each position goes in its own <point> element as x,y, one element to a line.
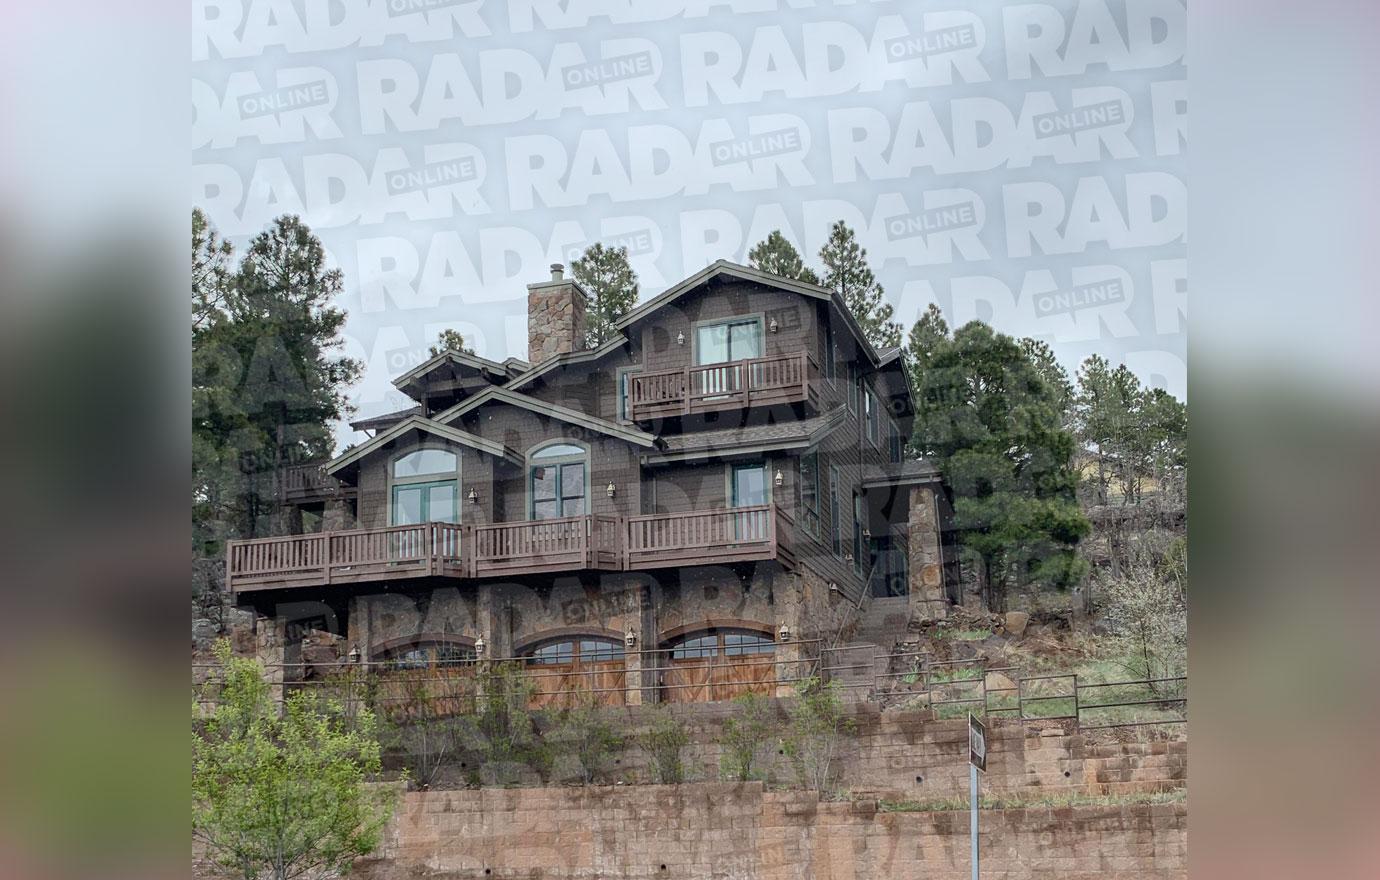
<point>557,271</point>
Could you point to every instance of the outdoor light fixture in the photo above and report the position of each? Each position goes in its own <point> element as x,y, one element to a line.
<point>354,654</point>
<point>784,634</point>
<point>630,639</point>
<point>611,489</point>
<point>778,479</point>
<point>848,557</point>
<point>773,325</point>
<point>473,496</point>
<point>479,647</point>
<point>833,587</point>
<point>680,338</point>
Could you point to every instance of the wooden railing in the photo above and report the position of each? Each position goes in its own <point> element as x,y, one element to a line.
<point>597,541</point>
<point>732,385</point>
<point>309,480</point>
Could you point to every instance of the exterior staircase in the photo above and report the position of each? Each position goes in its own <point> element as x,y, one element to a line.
<point>856,664</point>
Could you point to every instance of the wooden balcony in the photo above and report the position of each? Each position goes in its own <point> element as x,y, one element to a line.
<point>593,542</point>
<point>308,482</point>
<point>785,379</point>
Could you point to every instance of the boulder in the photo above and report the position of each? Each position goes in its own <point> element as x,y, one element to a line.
<point>1016,622</point>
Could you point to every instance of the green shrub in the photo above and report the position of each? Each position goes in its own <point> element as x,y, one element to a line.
<point>502,735</point>
<point>664,741</point>
<point>585,733</point>
<point>814,733</point>
<point>743,737</point>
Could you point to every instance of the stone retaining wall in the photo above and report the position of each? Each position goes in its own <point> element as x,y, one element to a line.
<point>743,832</point>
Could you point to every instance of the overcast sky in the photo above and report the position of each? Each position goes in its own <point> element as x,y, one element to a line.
<point>1023,164</point>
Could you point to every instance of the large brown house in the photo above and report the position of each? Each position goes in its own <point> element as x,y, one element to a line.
<point>681,513</point>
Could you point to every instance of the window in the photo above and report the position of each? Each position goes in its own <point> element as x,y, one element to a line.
<point>831,353</point>
<point>425,462</point>
<point>428,654</point>
<point>749,485</point>
<point>417,496</point>
<point>624,388</point>
<point>558,484</point>
<point>859,547</point>
<point>872,416</point>
<point>575,651</point>
<point>897,445</point>
<point>809,492</point>
<point>835,521</point>
<point>729,341</point>
<point>707,646</point>
<point>853,384</point>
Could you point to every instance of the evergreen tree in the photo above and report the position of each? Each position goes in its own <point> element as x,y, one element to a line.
<point>611,283</point>
<point>1042,358</point>
<point>989,420</point>
<point>450,340</point>
<point>846,271</point>
<point>924,340</point>
<point>778,256</point>
<point>268,379</point>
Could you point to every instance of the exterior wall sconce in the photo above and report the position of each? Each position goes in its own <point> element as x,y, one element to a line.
<point>848,557</point>
<point>778,479</point>
<point>630,639</point>
<point>833,587</point>
<point>784,634</point>
<point>611,489</point>
<point>773,326</point>
<point>473,496</point>
<point>480,647</point>
<point>680,338</point>
<point>353,656</point>
<point>867,536</point>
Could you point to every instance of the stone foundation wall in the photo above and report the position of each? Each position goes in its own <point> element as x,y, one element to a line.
<point>730,831</point>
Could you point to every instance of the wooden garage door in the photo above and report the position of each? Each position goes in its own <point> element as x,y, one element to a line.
<point>719,665</point>
<point>565,672</point>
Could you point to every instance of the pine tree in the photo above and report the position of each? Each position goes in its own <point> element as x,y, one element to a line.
<point>989,420</point>
<point>929,332</point>
<point>1042,358</point>
<point>846,271</point>
<point>450,340</point>
<point>778,256</point>
<point>611,283</point>
<point>268,379</point>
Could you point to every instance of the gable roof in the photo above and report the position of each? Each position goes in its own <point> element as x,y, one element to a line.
<point>354,456</point>
<point>471,364</point>
<point>560,360</point>
<point>385,420</point>
<point>632,435</point>
<point>747,273</point>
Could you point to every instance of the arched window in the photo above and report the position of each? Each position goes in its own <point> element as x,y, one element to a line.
<point>557,481</point>
<point>427,654</point>
<point>425,487</point>
<point>719,664</point>
<point>575,652</point>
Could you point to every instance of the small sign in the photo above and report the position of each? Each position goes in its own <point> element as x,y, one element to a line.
<point>977,743</point>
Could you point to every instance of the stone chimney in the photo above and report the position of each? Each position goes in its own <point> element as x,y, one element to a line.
<point>555,317</point>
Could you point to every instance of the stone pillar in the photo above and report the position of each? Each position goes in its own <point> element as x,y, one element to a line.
<point>926,559</point>
<point>789,668</point>
<point>270,648</point>
<point>632,666</point>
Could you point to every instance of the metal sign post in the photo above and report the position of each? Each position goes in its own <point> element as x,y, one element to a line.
<point>977,760</point>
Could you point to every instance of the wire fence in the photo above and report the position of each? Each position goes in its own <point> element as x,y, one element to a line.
<point>912,679</point>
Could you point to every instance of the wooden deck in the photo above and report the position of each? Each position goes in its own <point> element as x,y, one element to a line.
<point>785,379</point>
<point>592,542</point>
<point>308,482</point>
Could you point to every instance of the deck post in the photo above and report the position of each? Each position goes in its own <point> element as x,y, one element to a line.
<point>326,556</point>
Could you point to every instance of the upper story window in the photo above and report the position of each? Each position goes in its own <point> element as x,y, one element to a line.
<point>873,416</point>
<point>736,340</point>
<point>557,481</point>
<point>835,518</point>
<point>854,383</point>
<point>425,488</point>
<point>896,443</point>
<point>809,492</point>
<point>831,353</point>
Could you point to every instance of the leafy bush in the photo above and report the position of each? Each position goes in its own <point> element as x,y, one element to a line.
<point>585,733</point>
<point>814,732</point>
<point>502,734</point>
<point>743,737</point>
<point>283,795</point>
<point>664,741</point>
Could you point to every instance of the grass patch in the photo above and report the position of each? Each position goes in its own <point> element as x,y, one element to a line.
<point>1018,801</point>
